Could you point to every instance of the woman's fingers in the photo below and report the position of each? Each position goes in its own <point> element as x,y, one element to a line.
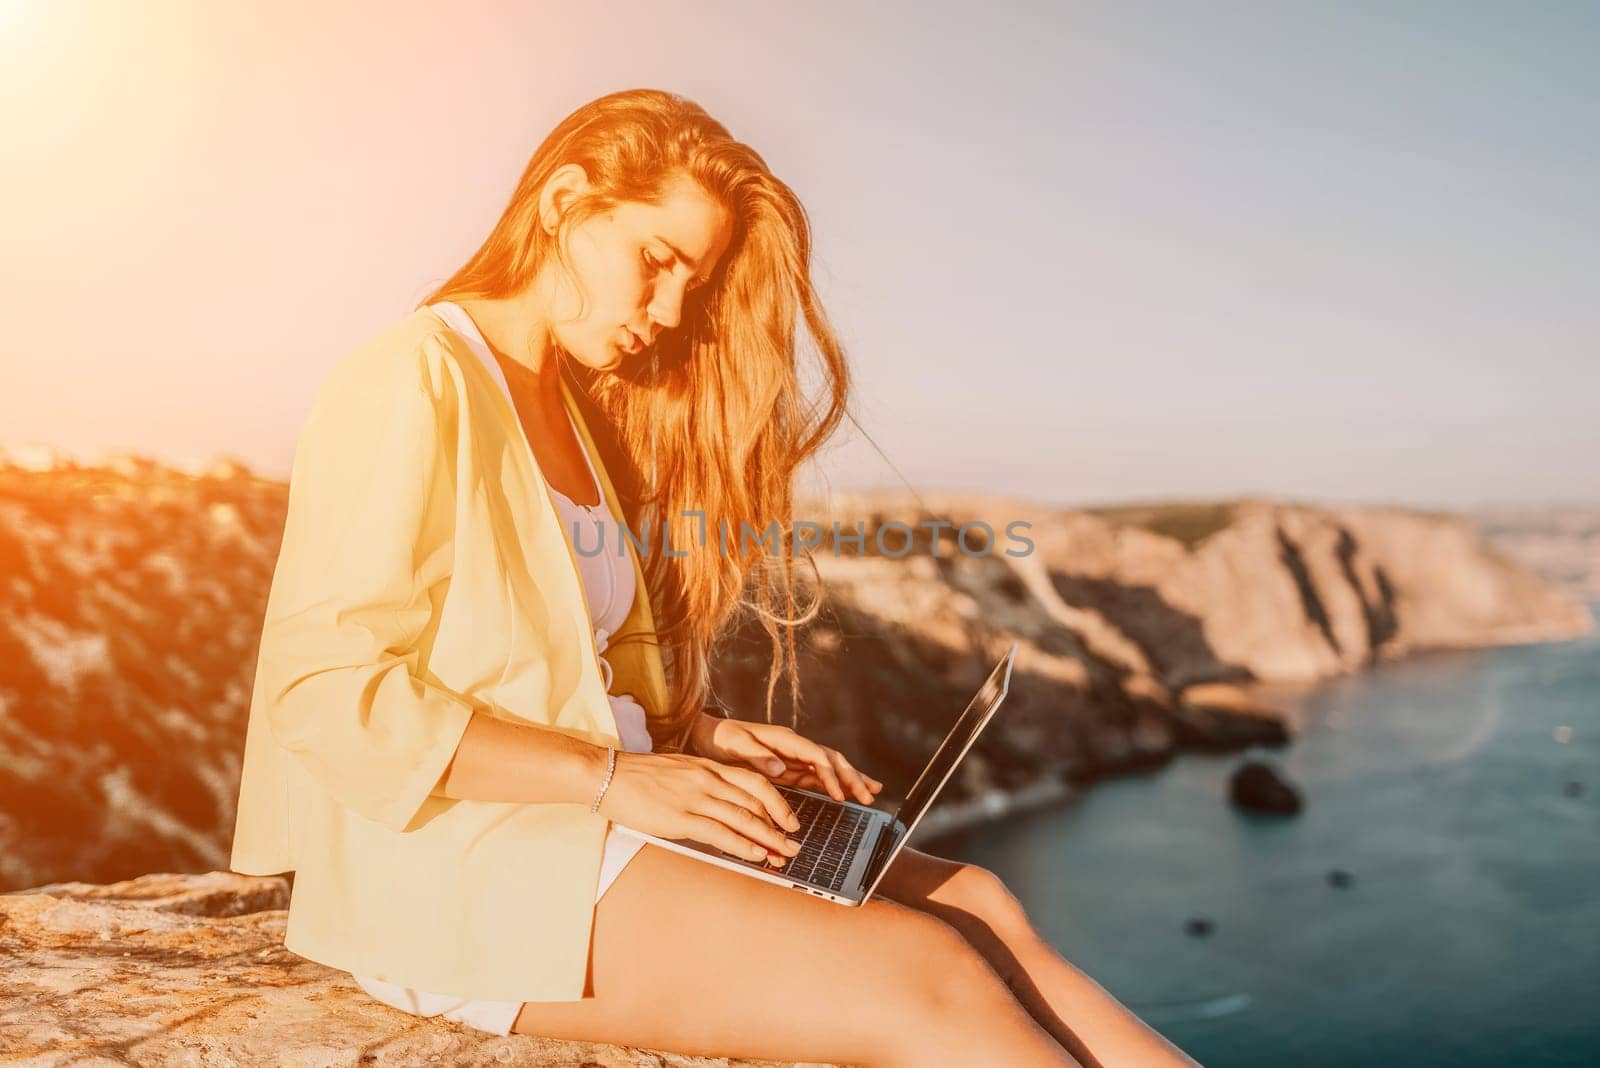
<point>772,842</point>
<point>836,773</point>
<point>767,761</point>
<point>755,792</point>
<point>713,832</point>
<point>821,764</point>
<point>851,776</point>
<point>796,776</point>
<point>806,779</point>
<point>809,781</point>
<point>833,768</point>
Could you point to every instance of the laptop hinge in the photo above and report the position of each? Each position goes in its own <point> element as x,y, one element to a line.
<point>891,834</point>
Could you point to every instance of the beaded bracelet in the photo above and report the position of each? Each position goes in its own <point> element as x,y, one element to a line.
<point>611,766</point>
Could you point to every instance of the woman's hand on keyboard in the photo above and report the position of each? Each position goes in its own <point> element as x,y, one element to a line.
<point>783,756</point>
<point>676,795</point>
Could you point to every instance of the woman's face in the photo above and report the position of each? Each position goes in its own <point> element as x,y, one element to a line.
<point>635,262</point>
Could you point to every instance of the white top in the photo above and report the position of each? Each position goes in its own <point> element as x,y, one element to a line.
<point>609,584</point>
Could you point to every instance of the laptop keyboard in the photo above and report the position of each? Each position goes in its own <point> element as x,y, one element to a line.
<point>828,837</point>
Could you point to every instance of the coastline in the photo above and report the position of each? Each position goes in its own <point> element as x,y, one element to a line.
<point>992,806</point>
<point>1280,699</point>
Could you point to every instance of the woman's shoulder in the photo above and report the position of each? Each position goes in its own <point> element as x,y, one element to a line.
<point>417,352</point>
<point>393,401</point>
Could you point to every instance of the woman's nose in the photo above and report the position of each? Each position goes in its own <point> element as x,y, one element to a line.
<point>665,309</point>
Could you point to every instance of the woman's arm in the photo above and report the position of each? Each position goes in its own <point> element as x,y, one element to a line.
<point>495,757</point>
<point>366,542</point>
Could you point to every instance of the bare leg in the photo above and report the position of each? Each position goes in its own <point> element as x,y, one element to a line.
<point>1083,1017</point>
<point>689,958</point>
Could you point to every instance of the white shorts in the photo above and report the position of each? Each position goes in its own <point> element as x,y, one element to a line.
<point>497,1017</point>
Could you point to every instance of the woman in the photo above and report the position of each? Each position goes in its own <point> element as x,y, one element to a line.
<point>437,746</point>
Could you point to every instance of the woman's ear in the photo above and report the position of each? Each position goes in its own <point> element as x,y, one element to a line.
<point>568,180</point>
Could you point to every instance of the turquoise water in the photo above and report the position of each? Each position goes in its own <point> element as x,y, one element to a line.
<point>1470,936</point>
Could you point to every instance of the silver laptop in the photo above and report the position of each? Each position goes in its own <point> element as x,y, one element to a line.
<point>846,847</point>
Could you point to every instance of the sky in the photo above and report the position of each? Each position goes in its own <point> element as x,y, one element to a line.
<point>1076,253</point>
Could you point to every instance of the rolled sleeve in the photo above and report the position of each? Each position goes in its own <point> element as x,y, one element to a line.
<point>367,541</point>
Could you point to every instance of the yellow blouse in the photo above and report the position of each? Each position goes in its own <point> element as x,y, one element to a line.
<point>424,574</point>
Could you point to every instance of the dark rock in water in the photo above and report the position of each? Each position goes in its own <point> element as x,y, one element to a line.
<point>1340,878</point>
<point>1198,926</point>
<point>1257,787</point>
<point>1574,789</point>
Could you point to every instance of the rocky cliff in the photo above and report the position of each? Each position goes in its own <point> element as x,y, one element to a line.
<point>1142,628</point>
<point>133,594</point>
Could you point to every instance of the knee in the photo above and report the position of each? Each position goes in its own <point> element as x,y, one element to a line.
<point>985,896</point>
<point>943,974</point>
<point>943,985</point>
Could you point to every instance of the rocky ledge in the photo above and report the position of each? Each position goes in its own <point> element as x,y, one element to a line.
<point>190,970</point>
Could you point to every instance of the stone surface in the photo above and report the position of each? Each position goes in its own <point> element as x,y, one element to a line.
<point>190,970</point>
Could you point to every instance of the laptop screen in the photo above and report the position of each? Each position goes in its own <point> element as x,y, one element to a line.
<point>955,744</point>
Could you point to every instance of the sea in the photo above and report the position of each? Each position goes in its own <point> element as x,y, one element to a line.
<point>1457,792</point>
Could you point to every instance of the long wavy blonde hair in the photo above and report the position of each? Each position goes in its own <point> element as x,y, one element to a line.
<point>719,422</point>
